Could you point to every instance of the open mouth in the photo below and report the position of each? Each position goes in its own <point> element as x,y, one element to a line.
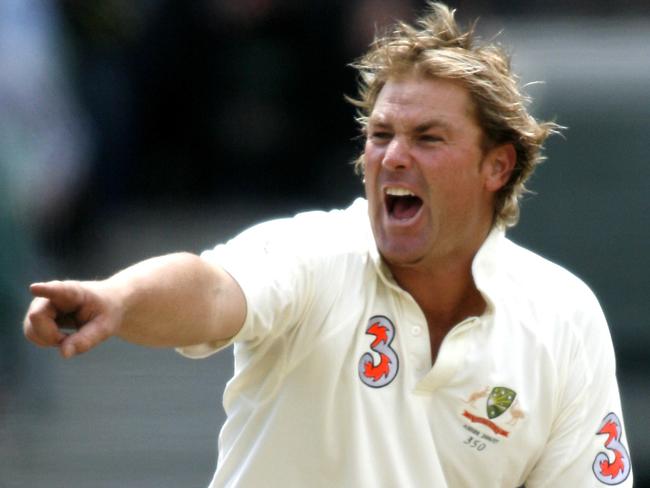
<point>402,204</point>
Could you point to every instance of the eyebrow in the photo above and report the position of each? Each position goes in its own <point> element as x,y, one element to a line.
<point>418,129</point>
<point>431,124</point>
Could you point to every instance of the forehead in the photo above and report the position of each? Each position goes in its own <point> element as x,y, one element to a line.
<point>414,99</point>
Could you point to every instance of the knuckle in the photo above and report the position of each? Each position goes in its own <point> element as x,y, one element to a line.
<point>33,337</point>
<point>27,321</point>
<point>32,316</point>
<point>29,330</point>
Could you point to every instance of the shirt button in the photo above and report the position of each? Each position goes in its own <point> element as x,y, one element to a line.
<point>416,330</point>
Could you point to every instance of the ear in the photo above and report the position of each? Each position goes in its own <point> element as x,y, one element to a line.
<point>497,166</point>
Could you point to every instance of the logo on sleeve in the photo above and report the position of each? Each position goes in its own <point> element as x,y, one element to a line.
<point>379,369</point>
<point>612,467</point>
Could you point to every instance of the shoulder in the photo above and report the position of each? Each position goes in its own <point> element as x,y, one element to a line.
<point>533,277</point>
<point>558,305</point>
<point>312,233</point>
<point>318,244</point>
<point>558,311</point>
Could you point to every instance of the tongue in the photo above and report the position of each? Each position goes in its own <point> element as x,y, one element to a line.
<point>406,207</point>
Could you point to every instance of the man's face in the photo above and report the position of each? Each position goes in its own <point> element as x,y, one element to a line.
<point>424,177</point>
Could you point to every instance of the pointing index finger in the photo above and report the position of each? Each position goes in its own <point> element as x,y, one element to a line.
<point>67,296</point>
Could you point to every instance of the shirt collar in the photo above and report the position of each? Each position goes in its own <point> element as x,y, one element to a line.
<point>484,266</point>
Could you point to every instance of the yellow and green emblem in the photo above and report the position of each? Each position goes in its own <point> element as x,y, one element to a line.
<point>499,401</point>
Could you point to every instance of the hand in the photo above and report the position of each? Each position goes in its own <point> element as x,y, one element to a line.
<point>80,306</point>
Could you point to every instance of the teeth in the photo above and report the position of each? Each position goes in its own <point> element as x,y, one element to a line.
<point>399,192</point>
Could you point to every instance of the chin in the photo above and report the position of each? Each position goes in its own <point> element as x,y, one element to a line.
<point>404,262</point>
<point>401,255</point>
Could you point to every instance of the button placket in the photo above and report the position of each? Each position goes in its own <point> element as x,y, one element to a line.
<point>451,352</point>
<point>416,340</point>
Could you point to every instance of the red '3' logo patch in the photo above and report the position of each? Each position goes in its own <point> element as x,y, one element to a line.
<point>379,372</point>
<point>615,469</point>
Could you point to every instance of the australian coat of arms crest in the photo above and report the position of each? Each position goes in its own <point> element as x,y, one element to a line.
<point>500,399</point>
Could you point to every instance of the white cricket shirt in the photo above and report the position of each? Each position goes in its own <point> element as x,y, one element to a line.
<point>334,386</point>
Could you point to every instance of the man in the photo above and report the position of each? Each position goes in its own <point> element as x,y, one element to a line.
<point>403,341</point>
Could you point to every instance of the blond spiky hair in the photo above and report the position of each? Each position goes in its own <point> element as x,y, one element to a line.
<point>436,47</point>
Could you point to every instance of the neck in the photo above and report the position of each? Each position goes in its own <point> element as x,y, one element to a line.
<point>443,288</point>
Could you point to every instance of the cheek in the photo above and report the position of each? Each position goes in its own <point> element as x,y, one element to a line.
<point>372,158</point>
<point>371,153</point>
<point>452,185</point>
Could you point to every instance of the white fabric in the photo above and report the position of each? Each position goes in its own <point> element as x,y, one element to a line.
<point>298,413</point>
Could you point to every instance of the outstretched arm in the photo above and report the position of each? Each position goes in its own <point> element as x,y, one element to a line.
<point>169,301</point>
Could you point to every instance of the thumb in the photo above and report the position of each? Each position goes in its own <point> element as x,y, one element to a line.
<point>87,337</point>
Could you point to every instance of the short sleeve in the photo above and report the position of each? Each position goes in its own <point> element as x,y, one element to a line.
<point>587,446</point>
<point>272,266</point>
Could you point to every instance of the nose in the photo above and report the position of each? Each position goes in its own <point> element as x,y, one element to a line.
<point>397,155</point>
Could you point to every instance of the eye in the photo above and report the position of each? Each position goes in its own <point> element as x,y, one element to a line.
<point>430,138</point>
<point>380,136</point>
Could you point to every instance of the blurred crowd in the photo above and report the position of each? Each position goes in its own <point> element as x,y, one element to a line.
<point>111,102</point>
